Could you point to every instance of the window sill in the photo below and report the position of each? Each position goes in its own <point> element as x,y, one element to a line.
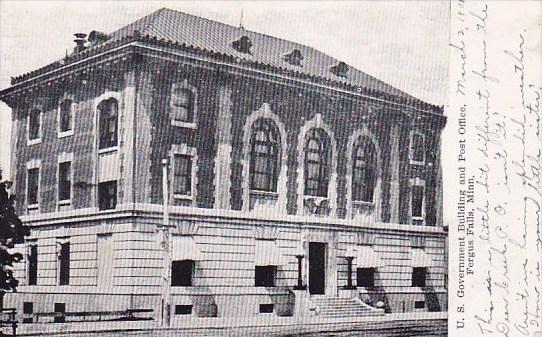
<point>105,209</point>
<point>184,125</point>
<point>62,134</point>
<point>315,198</point>
<point>33,142</point>
<point>182,197</point>
<point>418,218</point>
<point>33,206</point>
<point>65,202</point>
<point>177,287</point>
<point>108,149</point>
<point>418,163</point>
<point>264,193</point>
<point>364,203</point>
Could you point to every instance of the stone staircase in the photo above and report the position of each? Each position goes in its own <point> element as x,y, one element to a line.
<point>325,306</point>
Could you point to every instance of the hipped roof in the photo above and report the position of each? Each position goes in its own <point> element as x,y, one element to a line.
<point>178,29</point>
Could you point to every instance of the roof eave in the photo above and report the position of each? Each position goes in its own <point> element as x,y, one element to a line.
<point>93,54</point>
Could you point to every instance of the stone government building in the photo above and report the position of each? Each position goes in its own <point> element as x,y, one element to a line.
<point>297,184</point>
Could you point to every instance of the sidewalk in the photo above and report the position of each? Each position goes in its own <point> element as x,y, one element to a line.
<point>228,325</point>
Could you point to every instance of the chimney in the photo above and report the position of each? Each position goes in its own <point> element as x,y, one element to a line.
<point>80,40</point>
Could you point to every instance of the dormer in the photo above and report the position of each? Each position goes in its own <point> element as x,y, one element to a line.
<point>340,69</point>
<point>294,57</point>
<point>242,45</point>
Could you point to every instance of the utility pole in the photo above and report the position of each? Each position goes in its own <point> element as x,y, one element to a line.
<point>166,272</point>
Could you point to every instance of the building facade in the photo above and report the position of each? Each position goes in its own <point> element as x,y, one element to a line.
<point>292,179</point>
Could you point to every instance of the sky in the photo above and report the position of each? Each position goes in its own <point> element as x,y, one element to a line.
<point>404,43</point>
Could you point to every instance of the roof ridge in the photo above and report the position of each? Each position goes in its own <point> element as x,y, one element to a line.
<point>241,29</point>
<point>154,16</point>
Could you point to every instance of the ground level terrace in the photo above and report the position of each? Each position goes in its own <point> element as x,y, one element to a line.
<point>401,324</point>
<point>224,263</point>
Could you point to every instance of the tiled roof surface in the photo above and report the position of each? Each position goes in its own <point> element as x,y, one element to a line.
<point>213,36</point>
<point>170,27</point>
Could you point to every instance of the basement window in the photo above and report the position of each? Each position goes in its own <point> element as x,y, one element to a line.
<point>28,310</point>
<point>267,308</point>
<point>183,309</point>
<point>60,311</point>
<point>419,304</point>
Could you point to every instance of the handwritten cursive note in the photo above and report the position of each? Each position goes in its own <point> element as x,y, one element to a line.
<point>495,118</point>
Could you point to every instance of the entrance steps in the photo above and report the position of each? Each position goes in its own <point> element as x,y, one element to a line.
<point>326,306</point>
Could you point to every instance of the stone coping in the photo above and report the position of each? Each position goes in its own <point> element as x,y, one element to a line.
<point>189,291</point>
<point>191,324</point>
<point>154,212</point>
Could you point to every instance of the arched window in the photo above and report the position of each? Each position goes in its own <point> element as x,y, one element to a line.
<point>417,148</point>
<point>264,156</point>
<point>182,104</point>
<point>364,171</point>
<point>108,118</point>
<point>317,163</point>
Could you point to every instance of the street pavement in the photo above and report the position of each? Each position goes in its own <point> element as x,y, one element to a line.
<point>407,328</point>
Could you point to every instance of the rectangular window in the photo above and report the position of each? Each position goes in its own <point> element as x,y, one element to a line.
<point>419,304</point>
<point>182,175</point>
<point>183,309</point>
<point>418,276</point>
<point>33,186</point>
<point>417,148</point>
<point>60,310</point>
<point>28,310</point>
<point>266,308</point>
<point>265,276</point>
<point>182,273</point>
<point>64,181</point>
<point>65,116</point>
<point>108,119</point>
<point>107,195</point>
<point>366,277</point>
<point>105,259</point>
<point>63,263</point>
<point>32,264</point>
<point>34,124</point>
<point>182,104</point>
<point>417,201</point>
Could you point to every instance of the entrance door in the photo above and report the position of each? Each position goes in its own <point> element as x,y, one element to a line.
<point>317,268</point>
